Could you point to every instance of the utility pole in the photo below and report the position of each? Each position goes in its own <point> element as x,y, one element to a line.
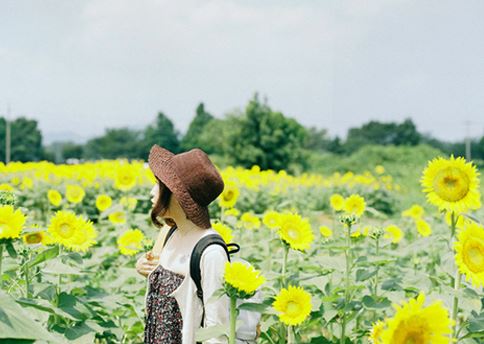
<point>7,136</point>
<point>468,140</point>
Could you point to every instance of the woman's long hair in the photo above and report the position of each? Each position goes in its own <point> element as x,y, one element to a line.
<point>161,205</point>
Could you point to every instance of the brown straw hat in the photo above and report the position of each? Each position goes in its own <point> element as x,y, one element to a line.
<point>191,177</point>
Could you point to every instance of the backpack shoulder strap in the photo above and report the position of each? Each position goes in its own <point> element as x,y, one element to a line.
<point>196,256</point>
<point>202,244</point>
<point>169,234</point>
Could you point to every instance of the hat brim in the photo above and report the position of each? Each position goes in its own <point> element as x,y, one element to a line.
<point>162,167</point>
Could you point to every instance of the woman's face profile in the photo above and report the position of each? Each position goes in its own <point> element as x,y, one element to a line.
<point>155,193</point>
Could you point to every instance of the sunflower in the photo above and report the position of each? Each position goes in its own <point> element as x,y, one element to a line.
<point>394,233</point>
<point>325,231</point>
<point>63,227</point>
<point>232,212</point>
<point>11,222</point>
<point>337,202</point>
<point>356,233</point>
<point>271,219</point>
<point>103,202</point>
<point>293,305</point>
<point>379,169</point>
<point>128,202</point>
<point>249,221</point>
<point>85,236</point>
<point>125,178</point>
<point>54,196</point>
<point>224,231</point>
<point>376,331</point>
<point>423,227</point>
<point>75,193</point>
<point>414,323</point>
<point>365,231</point>
<point>354,205</point>
<point>469,255</point>
<point>415,212</point>
<point>295,231</point>
<point>27,183</point>
<point>131,242</point>
<point>229,196</point>
<point>452,184</point>
<point>6,187</point>
<point>117,217</point>
<point>34,236</point>
<point>243,278</point>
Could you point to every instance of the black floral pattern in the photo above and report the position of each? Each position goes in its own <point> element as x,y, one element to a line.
<point>163,319</point>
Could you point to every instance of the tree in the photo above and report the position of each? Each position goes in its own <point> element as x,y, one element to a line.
<point>196,129</point>
<point>378,133</point>
<point>115,143</point>
<point>162,132</point>
<point>317,139</point>
<point>218,134</point>
<point>26,140</point>
<point>267,138</point>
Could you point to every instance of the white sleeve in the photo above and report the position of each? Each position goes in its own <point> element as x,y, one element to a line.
<point>212,265</point>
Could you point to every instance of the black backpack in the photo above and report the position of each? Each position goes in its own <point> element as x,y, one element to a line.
<point>201,245</point>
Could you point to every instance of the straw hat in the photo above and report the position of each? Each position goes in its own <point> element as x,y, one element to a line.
<point>191,177</point>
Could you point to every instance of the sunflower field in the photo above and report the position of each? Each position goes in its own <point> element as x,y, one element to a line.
<point>340,258</point>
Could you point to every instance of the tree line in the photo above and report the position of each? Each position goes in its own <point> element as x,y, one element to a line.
<point>258,135</point>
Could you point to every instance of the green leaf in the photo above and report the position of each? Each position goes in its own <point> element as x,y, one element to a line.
<point>254,307</point>
<point>16,323</point>
<point>48,293</point>
<point>363,275</point>
<point>69,304</point>
<point>74,256</point>
<point>372,303</point>
<point>44,255</point>
<point>11,249</point>
<point>77,331</point>
<point>44,306</point>
<point>476,324</point>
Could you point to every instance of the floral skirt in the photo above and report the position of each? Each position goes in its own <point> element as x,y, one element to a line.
<point>163,319</point>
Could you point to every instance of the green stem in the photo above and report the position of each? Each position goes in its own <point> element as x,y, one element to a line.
<point>347,283</point>
<point>290,335</point>
<point>284,264</point>
<point>233,318</point>
<point>457,279</point>
<point>377,253</point>
<point>455,305</point>
<point>27,277</point>
<point>1,271</point>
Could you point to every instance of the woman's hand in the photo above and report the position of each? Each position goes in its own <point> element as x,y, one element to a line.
<point>147,263</point>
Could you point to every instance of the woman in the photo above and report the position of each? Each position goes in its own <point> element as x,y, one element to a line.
<point>186,184</point>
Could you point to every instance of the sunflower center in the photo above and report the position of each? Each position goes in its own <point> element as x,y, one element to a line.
<point>126,179</point>
<point>66,230</point>
<point>228,195</point>
<point>292,308</point>
<point>474,257</point>
<point>451,184</point>
<point>293,233</point>
<point>413,338</point>
<point>33,238</point>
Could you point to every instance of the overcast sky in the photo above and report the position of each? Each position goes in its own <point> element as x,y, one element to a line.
<point>80,66</point>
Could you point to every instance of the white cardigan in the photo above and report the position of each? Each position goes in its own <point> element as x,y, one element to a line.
<point>175,256</point>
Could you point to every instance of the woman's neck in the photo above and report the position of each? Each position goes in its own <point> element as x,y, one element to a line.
<point>180,218</point>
